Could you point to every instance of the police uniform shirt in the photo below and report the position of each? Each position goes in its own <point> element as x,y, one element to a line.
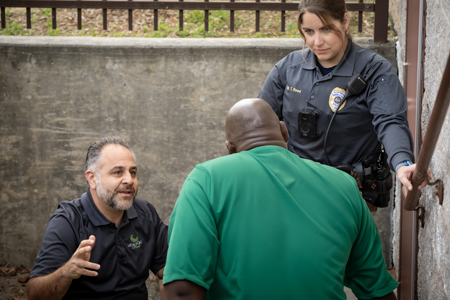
<point>377,113</point>
<point>125,254</point>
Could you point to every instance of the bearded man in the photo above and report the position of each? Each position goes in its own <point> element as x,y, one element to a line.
<point>102,245</point>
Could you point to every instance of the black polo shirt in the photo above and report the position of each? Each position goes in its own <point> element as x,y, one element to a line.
<point>377,114</point>
<point>125,254</point>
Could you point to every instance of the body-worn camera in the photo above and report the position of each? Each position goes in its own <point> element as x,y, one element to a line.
<point>374,178</point>
<point>307,123</point>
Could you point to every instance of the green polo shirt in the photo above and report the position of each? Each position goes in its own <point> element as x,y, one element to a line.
<point>266,224</point>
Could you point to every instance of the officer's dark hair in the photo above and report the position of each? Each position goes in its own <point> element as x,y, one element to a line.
<point>94,153</point>
<point>326,10</point>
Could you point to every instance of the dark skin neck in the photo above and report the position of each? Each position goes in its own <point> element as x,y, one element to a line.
<point>251,142</point>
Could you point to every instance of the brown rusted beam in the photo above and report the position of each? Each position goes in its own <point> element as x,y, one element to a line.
<point>431,137</point>
<point>194,5</point>
<point>381,21</point>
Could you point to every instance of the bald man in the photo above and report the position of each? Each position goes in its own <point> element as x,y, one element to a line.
<point>263,223</point>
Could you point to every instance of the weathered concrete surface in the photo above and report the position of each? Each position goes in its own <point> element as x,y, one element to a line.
<point>167,97</point>
<point>434,239</point>
<point>397,16</point>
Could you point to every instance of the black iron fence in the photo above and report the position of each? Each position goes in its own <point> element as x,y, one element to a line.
<point>380,8</point>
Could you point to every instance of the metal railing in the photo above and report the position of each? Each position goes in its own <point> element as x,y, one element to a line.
<point>437,119</point>
<point>380,8</point>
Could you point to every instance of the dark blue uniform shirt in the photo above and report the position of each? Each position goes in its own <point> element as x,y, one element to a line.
<point>125,254</point>
<point>377,114</point>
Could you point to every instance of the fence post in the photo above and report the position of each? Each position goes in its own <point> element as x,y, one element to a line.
<point>54,18</point>
<point>180,19</point>
<point>105,19</point>
<point>381,21</point>
<point>3,18</point>
<point>29,17</point>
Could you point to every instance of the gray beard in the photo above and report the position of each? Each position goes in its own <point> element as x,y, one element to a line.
<point>112,198</point>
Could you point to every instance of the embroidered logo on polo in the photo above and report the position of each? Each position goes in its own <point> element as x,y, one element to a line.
<point>290,88</point>
<point>135,242</point>
<point>336,97</point>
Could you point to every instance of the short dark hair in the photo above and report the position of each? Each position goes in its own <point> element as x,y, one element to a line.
<point>94,153</point>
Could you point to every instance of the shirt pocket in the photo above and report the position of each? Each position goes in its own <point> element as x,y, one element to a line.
<point>293,101</point>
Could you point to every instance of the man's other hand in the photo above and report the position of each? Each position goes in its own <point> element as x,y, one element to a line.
<point>405,173</point>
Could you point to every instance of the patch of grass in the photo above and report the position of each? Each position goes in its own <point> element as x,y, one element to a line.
<point>194,16</point>
<point>182,34</point>
<point>47,12</point>
<point>163,31</point>
<point>53,32</point>
<point>14,29</point>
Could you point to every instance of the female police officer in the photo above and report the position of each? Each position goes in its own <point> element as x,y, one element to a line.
<point>307,87</point>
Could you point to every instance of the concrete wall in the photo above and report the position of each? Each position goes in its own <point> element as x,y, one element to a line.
<point>434,239</point>
<point>167,97</point>
<point>397,17</point>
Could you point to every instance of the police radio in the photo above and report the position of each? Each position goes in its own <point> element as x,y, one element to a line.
<point>373,175</point>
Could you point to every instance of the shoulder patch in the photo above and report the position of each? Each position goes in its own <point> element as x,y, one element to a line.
<point>336,96</point>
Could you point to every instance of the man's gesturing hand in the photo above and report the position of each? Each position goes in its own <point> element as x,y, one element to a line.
<point>79,263</point>
<point>55,285</point>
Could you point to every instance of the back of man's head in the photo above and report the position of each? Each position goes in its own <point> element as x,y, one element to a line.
<point>251,123</point>
<point>94,153</point>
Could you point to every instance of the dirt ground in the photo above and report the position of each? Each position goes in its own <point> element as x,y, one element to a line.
<point>13,283</point>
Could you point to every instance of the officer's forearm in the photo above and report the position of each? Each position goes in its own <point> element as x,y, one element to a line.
<point>49,287</point>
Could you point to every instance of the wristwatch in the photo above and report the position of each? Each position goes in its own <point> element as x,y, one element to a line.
<point>403,163</point>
